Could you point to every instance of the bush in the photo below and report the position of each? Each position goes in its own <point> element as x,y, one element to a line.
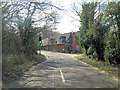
<point>90,51</point>
<point>112,51</point>
<point>12,60</point>
<point>95,54</point>
<point>112,55</point>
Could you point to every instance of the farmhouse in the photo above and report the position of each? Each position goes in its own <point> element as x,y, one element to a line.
<point>66,43</point>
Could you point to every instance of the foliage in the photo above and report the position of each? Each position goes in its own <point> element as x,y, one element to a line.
<point>99,34</point>
<point>112,48</point>
<point>87,17</point>
<point>112,14</point>
<point>10,44</point>
<point>92,32</point>
<point>19,34</point>
<point>112,51</point>
<point>90,51</point>
<point>15,65</point>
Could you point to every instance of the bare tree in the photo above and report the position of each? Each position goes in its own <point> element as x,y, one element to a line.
<point>18,18</point>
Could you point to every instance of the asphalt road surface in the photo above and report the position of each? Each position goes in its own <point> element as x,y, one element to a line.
<point>63,71</point>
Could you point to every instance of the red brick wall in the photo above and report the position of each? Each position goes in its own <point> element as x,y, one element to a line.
<point>51,47</point>
<point>60,47</point>
<point>74,44</point>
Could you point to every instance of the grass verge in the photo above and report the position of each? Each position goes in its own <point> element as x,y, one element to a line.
<point>13,66</point>
<point>48,51</point>
<point>102,66</point>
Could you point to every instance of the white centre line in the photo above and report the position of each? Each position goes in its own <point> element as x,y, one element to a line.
<point>63,79</point>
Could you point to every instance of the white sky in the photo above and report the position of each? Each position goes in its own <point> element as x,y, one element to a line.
<point>66,22</point>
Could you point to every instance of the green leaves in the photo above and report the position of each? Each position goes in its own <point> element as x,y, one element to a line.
<point>93,29</point>
<point>112,51</point>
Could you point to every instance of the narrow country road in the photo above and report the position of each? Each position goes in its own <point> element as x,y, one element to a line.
<point>63,71</point>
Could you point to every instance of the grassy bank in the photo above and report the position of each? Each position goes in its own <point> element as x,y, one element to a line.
<point>15,65</point>
<point>48,51</point>
<point>103,66</point>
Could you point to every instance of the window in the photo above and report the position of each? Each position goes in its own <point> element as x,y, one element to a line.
<point>63,39</point>
<point>77,48</point>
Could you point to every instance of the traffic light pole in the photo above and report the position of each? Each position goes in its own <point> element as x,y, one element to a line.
<point>40,50</point>
<point>40,42</point>
<point>56,46</point>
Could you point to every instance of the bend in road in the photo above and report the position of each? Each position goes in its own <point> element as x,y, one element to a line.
<point>63,71</point>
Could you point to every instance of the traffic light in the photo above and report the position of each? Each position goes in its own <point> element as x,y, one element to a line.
<point>56,42</point>
<point>40,39</point>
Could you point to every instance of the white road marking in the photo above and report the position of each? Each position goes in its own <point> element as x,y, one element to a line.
<point>63,79</point>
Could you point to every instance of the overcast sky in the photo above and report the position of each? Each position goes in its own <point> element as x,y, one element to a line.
<point>67,23</point>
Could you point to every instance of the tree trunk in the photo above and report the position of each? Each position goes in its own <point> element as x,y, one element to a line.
<point>100,52</point>
<point>86,49</point>
<point>100,55</point>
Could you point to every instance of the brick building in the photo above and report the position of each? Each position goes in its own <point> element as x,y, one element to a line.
<point>67,43</point>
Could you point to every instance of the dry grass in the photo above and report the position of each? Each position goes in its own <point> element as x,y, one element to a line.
<point>103,66</point>
<point>15,65</point>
